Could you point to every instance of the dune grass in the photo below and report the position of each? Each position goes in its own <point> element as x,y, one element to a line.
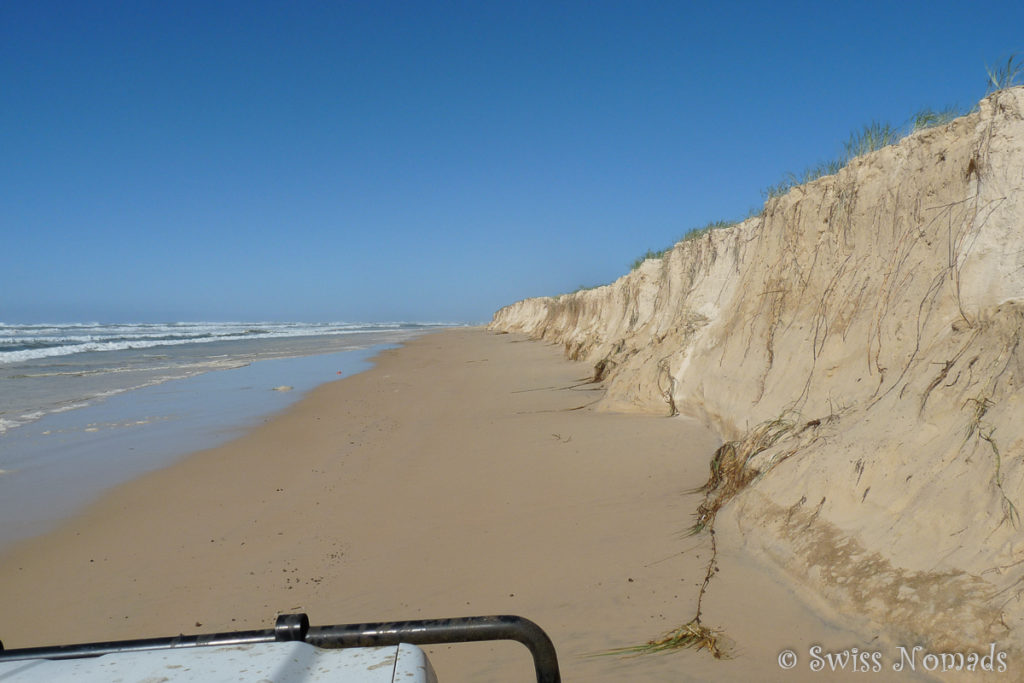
<point>638,261</point>
<point>872,137</point>
<point>584,288</point>
<point>691,234</point>
<point>791,180</point>
<point>1006,76</point>
<point>929,118</point>
<point>875,135</point>
<point>869,138</point>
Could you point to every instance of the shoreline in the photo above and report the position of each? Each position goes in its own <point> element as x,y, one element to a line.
<point>61,462</point>
<point>465,473</point>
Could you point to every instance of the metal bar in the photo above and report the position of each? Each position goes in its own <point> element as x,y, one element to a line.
<point>291,627</point>
<point>115,646</point>
<point>440,631</point>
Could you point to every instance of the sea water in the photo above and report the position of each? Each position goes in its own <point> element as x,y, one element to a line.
<point>84,407</point>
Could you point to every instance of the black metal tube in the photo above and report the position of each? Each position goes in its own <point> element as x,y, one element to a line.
<point>292,627</point>
<point>114,646</point>
<point>440,631</point>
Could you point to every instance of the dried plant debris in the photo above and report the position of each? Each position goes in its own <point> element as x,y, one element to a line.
<point>731,470</point>
<point>690,635</point>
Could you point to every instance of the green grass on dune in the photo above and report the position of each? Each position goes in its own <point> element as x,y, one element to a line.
<point>869,138</point>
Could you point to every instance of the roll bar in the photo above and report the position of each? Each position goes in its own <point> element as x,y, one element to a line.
<point>292,627</point>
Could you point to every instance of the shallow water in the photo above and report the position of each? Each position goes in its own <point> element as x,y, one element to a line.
<point>47,369</point>
<point>56,463</point>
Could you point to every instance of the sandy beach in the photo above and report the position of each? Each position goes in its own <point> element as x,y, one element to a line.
<point>467,473</point>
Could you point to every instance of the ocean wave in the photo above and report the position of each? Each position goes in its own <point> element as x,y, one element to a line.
<point>53,379</point>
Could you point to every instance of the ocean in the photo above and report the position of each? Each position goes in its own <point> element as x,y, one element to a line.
<point>86,406</point>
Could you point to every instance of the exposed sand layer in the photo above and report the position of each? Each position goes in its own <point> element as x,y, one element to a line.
<point>460,476</point>
<point>860,343</point>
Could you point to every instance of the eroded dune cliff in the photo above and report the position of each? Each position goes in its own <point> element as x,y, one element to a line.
<point>859,347</point>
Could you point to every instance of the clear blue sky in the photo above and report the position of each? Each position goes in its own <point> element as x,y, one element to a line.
<point>422,160</point>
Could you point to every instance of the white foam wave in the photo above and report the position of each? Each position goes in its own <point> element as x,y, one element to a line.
<point>9,423</point>
<point>34,342</point>
<point>6,424</point>
<point>169,373</point>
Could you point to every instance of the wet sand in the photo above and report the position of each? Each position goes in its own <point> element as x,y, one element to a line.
<point>467,473</point>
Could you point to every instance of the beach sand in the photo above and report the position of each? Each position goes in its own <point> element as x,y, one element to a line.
<point>465,474</point>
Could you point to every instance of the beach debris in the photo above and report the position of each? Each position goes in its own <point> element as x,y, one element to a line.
<point>694,634</point>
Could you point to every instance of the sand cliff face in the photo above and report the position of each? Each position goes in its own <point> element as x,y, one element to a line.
<point>860,344</point>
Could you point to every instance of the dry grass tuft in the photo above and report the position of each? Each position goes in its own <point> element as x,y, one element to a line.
<point>691,635</point>
<point>981,406</point>
<point>602,368</point>
<point>730,473</point>
<point>986,432</point>
<point>730,470</point>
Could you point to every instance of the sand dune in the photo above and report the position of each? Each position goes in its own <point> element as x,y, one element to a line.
<point>860,344</point>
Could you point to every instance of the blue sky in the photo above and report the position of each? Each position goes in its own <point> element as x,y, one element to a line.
<point>422,160</point>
